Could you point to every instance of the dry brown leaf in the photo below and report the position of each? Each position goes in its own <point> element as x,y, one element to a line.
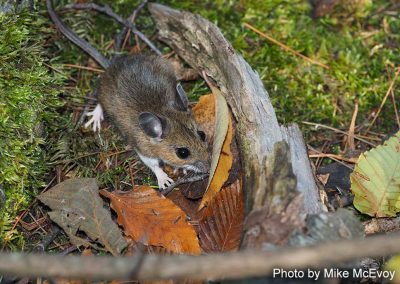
<point>221,222</point>
<point>87,252</point>
<point>77,206</point>
<point>154,220</point>
<point>187,205</point>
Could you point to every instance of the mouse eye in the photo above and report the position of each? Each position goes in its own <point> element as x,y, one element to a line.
<point>182,153</point>
<point>202,135</point>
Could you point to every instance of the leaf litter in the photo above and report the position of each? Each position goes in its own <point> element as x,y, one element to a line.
<point>77,206</point>
<point>181,223</point>
<point>152,219</point>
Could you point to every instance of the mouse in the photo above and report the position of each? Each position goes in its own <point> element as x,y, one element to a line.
<point>143,99</point>
<point>141,96</point>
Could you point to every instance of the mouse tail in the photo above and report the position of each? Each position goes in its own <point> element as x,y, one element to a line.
<point>81,43</point>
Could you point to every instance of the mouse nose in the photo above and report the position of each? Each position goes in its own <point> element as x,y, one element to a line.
<point>202,166</point>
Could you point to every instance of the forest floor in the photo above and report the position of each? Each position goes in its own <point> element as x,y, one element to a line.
<point>345,74</point>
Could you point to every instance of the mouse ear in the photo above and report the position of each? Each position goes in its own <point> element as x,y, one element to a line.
<point>152,125</point>
<point>181,98</point>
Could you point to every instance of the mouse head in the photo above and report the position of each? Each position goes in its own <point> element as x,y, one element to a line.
<point>175,137</point>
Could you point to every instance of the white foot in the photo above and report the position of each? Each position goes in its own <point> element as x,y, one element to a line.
<point>162,178</point>
<point>97,117</point>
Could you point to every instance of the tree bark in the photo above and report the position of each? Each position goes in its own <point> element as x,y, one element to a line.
<point>202,45</point>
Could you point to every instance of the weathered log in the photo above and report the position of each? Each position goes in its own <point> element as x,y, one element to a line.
<point>202,45</point>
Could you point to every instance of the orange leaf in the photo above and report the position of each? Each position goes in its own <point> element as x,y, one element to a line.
<point>221,223</point>
<point>154,220</point>
<point>204,113</point>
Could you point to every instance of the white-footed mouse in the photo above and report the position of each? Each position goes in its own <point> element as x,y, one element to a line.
<point>142,97</point>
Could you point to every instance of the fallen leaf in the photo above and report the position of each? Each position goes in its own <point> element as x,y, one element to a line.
<point>87,252</point>
<point>221,222</point>
<point>204,113</point>
<point>77,206</point>
<point>222,159</point>
<point>393,265</point>
<point>154,220</point>
<point>187,205</point>
<point>375,181</point>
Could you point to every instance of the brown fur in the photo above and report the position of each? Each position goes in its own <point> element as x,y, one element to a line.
<point>138,83</point>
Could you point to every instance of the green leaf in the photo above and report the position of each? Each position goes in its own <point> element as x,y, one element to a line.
<point>393,265</point>
<point>375,181</point>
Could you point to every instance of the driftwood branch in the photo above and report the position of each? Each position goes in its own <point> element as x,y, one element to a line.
<point>202,45</point>
<point>217,266</point>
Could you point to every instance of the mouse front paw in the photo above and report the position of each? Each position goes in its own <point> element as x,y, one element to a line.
<point>164,182</point>
<point>163,179</point>
<point>97,116</point>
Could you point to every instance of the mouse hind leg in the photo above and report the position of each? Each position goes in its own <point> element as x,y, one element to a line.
<point>97,116</point>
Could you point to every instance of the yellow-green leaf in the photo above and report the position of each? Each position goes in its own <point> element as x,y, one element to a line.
<point>393,266</point>
<point>375,181</point>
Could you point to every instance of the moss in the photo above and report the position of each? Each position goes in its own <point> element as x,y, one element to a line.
<point>27,104</point>
<point>355,40</point>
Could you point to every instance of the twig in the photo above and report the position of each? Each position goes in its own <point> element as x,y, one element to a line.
<point>285,47</point>
<point>394,102</point>
<point>330,157</point>
<point>7,237</point>
<point>184,180</point>
<point>104,62</point>
<point>41,247</point>
<point>350,137</point>
<point>216,266</point>
<point>320,159</point>
<point>124,34</point>
<point>84,68</point>
<point>10,232</point>
<point>339,131</point>
<point>109,12</point>
<point>384,99</point>
<point>333,156</point>
<point>59,71</point>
